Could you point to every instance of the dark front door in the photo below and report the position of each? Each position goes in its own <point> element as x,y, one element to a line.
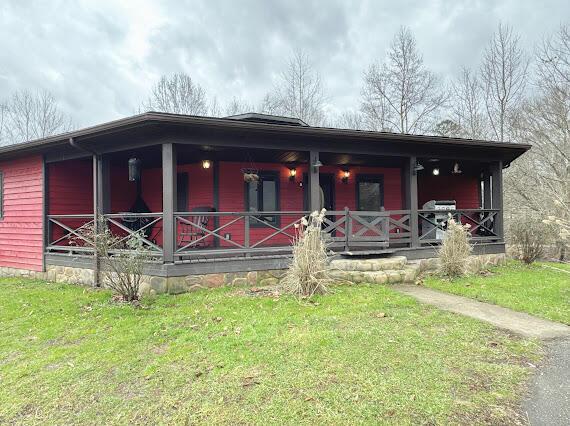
<point>326,181</point>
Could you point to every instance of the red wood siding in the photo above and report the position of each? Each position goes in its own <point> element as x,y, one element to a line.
<point>70,187</point>
<point>70,191</point>
<point>345,193</point>
<point>461,188</point>
<point>21,227</point>
<point>73,185</point>
<point>232,197</point>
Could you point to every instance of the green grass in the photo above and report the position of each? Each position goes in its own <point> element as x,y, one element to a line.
<point>70,356</point>
<point>537,289</point>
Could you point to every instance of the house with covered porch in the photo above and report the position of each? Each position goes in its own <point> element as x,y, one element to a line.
<point>225,195</point>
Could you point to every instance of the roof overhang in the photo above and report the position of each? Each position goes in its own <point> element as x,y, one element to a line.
<point>155,128</point>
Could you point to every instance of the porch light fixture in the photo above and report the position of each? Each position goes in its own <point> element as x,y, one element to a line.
<point>292,173</point>
<point>435,172</point>
<point>206,164</point>
<point>345,175</point>
<point>134,169</point>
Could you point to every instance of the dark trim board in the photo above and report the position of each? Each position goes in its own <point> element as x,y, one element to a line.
<point>259,263</point>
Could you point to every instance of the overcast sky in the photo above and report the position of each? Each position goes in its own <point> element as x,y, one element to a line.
<point>100,58</point>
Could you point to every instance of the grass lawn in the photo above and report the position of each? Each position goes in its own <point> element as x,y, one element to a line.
<point>70,356</point>
<point>537,289</point>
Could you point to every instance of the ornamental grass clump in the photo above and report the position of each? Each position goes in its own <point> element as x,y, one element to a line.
<point>308,273</point>
<point>455,249</point>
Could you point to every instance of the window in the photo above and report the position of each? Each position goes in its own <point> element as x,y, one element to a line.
<point>182,192</point>
<point>370,192</point>
<point>263,196</point>
<point>1,195</point>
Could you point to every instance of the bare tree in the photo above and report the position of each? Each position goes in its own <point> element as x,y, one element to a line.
<point>468,105</point>
<point>238,106</point>
<point>554,59</point>
<point>350,120</point>
<point>504,76</point>
<point>177,94</point>
<point>214,108</point>
<point>539,182</point>
<point>298,93</point>
<point>28,115</point>
<point>401,94</point>
<point>3,120</point>
<point>448,128</point>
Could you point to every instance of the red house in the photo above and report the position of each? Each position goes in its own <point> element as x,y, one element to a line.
<point>223,195</point>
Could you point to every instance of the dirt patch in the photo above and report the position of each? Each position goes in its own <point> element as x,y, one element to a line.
<point>269,291</point>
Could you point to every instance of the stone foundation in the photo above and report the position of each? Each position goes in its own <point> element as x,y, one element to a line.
<point>151,284</point>
<point>475,263</point>
<point>389,271</point>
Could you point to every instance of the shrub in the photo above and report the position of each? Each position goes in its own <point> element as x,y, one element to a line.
<point>527,239</point>
<point>121,260</point>
<point>455,249</point>
<point>308,273</point>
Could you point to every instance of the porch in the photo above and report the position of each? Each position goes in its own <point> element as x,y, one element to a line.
<point>194,211</point>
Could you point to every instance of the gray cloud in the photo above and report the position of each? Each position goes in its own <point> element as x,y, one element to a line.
<point>100,59</point>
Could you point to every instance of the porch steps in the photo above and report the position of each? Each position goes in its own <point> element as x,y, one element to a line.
<point>392,270</point>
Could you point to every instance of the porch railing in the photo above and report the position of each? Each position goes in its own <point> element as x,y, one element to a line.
<point>212,234</point>
<point>482,224</point>
<point>73,233</point>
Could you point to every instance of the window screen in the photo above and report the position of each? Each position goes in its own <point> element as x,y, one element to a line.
<point>370,193</point>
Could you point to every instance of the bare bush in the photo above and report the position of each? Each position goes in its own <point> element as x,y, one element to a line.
<point>121,259</point>
<point>308,273</point>
<point>527,239</point>
<point>455,249</point>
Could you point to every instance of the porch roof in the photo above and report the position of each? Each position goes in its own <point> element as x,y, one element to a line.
<point>156,127</point>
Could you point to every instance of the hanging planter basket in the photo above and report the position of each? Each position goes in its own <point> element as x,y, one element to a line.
<point>250,175</point>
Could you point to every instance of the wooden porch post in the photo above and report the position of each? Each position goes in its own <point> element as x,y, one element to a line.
<point>497,196</point>
<point>410,184</point>
<point>103,185</point>
<point>96,212</point>
<point>487,190</point>
<point>168,201</point>
<point>314,185</point>
<point>101,204</point>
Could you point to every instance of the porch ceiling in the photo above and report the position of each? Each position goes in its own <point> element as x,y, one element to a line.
<point>187,154</point>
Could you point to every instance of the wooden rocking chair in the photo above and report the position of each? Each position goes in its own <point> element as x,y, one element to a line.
<point>190,232</point>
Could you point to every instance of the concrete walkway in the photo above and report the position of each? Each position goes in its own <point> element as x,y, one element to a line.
<point>517,322</point>
<point>548,399</point>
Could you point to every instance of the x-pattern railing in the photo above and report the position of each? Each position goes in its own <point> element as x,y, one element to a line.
<point>249,223</point>
<point>74,232</point>
<point>146,225</point>
<point>481,223</point>
<point>249,232</point>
